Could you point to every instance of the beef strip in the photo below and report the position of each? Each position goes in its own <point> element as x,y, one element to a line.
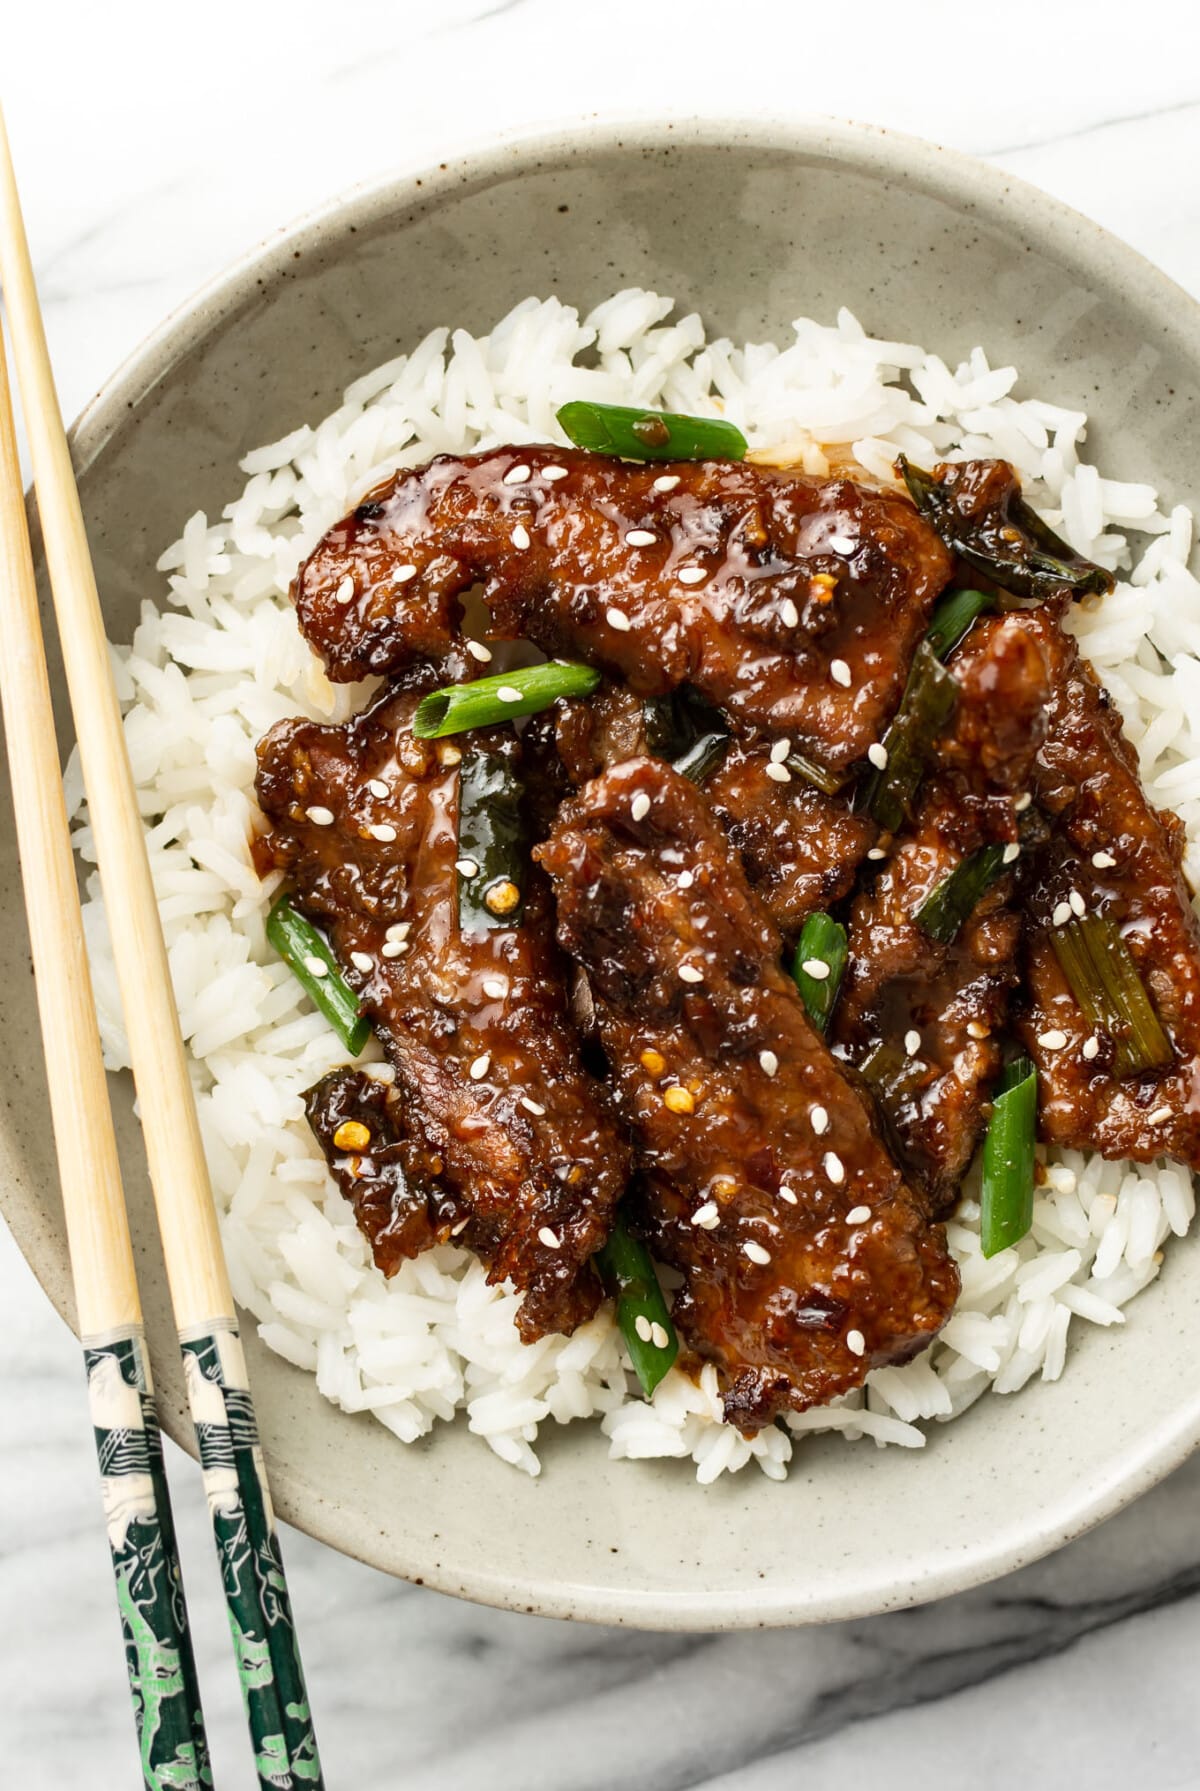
<point>806,1258</point>
<point>500,1120</point>
<point>1085,780</point>
<point>953,997</point>
<point>793,603</point>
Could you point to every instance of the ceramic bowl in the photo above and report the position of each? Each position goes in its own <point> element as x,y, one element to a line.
<point>753,225</point>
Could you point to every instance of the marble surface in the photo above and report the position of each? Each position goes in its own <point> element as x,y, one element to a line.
<point>154,144</point>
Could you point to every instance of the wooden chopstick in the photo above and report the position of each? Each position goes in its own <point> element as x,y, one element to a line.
<point>141,1534</point>
<point>255,1588</point>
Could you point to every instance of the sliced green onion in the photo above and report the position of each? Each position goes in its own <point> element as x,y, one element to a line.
<point>628,1274</point>
<point>819,776</point>
<point>702,757</point>
<point>685,730</point>
<point>943,912</point>
<point>954,616</point>
<point>1105,982</point>
<point>298,943</point>
<point>926,707</point>
<point>822,941</point>
<point>650,434</point>
<point>492,852</point>
<point>1006,1194</point>
<point>485,701</point>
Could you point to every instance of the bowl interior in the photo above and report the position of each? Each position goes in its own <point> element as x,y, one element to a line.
<point>752,227</point>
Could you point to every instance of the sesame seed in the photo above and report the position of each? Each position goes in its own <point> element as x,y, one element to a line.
<point>403,574</point>
<point>316,967</point>
<point>833,1167</point>
<point>345,590</point>
<point>708,1216</point>
<point>320,817</point>
<point>382,830</point>
<point>1078,905</point>
<point>780,751</point>
<point>378,788</point>
<point>757,1254</point>
<point>912,1041</point>
<point>679,1100</point>
<point>1061,915</point>
<point>1022,802</point>
<point>1091,1048</point>
<point>616,618</point>
<point>361,961</point>
<point>778,774</point>
<point>457,1230</point>
<point>520,536</point>
<point>768,1063</point>
<point>686,879</point>
<point>789,615</point>
<point>640,537</point>
<point>516,475</point>
<point>1103,861</point>
<point>858,1215</point>
<point>786,1194</point>
<point>817,968</point>
<point>819,1120</point>
<point>478,651</point>
<point>666,482</point>
<point>641,1325</point>
<point>692,575</point>
<point>480,1067</point>
<point>856,1343</point>
<point>550,1238</point>
<point>976,1030</point>
<point>495,987</point>
<point>841,544</point>
<point>1054,1040</point>
<point>659,1335</point>
<point>639,808</point>
<point>393,948</point>
<point>466,867</point>
<point>508,693</point>
<point>448,754</point>
<point>554,472</point>
<point>1159,1116</point>
<point>1011,853</point>
<point>534,1107</point>
<point>878,755</point>
<point>839,671</point>
<point>399,929</point>
<point>876,853</point>
<point>690,973</point>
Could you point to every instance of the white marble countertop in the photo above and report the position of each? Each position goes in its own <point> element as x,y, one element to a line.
<point>154,143</point>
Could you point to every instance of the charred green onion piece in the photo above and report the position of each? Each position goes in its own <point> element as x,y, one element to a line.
<point>1006,1194</point>
<point>687,731</point>
<point>944,910</point>
<point>1105,982</point>
<point>650,434</point>
<point>822,942</point>
<point>628,1274</point>
<point>303,949</point>
<point>954,617</point>
<point>810,772</point>
<point>492,853</point>
<point>926,707</point>
<point>503,697</point>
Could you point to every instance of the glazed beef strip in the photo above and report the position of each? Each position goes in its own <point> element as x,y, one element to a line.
<point>921,1018</point>
<point>807,1260</point>
<point>1122,857</point>
<point>793,603</point>
<point>500,1123</point>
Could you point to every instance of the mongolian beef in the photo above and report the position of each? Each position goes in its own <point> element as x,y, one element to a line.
<point>722,940</point>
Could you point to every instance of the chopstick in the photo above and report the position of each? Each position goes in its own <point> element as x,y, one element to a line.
<point>141,1534</point>
<point>256,1594</point>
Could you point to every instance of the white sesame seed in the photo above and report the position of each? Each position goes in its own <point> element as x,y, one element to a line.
<point>976,1030</point>
<point>554,472</point>
<point>378,788</point>
<point>393,948</point>
<point>834,1168</point>
<point>912,1041</point>
<point>1091,1048</point>
<point>345,590</point>
<point>708,1216</point>
<point>480,1067</point>
<point>690,973</point>
<point>659,1335</point>
<point>819,1121</point>
<point>666,482</point>
<point>839,671</point>
<point>616,618</point>
<point>361,961</point>
<point>399,929</point>
<point>789,615</point>
<point>641,1325</point>
<point>817,968</point>
<point>1022,802</point>
<point>534,1107</point>
<point>841,544</point>
<point>1159,1116</point>
<point>520,536</point>
<point>768,1063</point>
<point>786,1194</point>
<point>478,651</point>
<point>320,817</point>
<point>856,1343</point>
<point>1103,861</point>
<point>639,808</point>
<point>686,879</point>
<point>382,830</point>
<point>403,574</point>
<point>757,1254</point>
<point>316,967</point>
<point>495,988</point>
<point>1011,853</point>
<point>1054,1040</point>
<point>778,774</point>
<point>517,475</point>
<point>858,1215</point>
<point>640,537</point>
<point>876,853</point>
<point>692,575</point>
<point>1078,905</point>
<point>550,1238</point>
<point>457,1230</point>
<point>1061,915</point>
<point>780,751</point>
<point>508,693</point>
<point>466,867</point>
<point>878,755</point>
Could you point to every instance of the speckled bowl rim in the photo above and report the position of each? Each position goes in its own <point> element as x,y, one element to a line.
<point>1083,247</point>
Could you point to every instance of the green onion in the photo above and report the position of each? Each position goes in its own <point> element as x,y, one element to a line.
<point>297,941</point>
<point>500,698</point>
<point>819,776</point>
<point>650,434</point>
<point>491,837</point>
<point>1006,1194</point>
<point>944,910</point>
<point>1105,982</point>
<point>954,616</point>
<point>702,757</point>
<point>926,707</point>
<point>685,730</point>
<point>822,941</point>
<point>628,1274</point>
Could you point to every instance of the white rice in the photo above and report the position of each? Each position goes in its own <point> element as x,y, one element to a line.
<point>209,672</point>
